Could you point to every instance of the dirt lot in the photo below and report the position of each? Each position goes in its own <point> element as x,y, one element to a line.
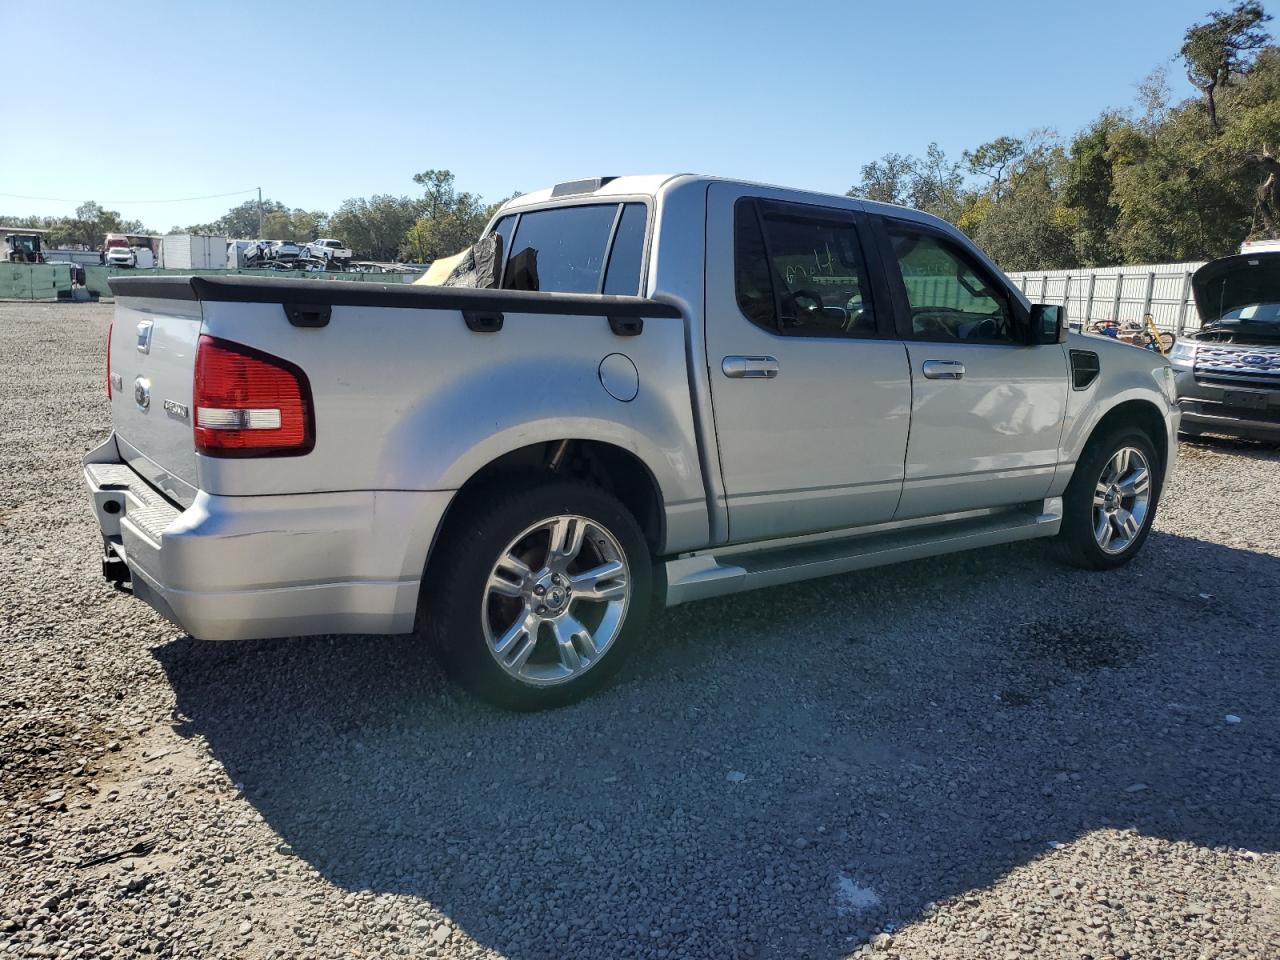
<point>988,755</point>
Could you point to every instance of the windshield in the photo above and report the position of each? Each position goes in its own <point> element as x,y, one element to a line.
<point>1253,313</point>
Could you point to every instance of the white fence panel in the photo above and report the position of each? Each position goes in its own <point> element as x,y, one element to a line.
<point>1118,293</point>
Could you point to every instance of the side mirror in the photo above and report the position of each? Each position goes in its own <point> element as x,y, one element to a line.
<point>1048,323</point>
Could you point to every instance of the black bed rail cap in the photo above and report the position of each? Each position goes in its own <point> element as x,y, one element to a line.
<point>173,287</point>
<point>354,293</point>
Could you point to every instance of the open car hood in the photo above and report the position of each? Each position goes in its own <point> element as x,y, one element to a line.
<point>1223,285</point>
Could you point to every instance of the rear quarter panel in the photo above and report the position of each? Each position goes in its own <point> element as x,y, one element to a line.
<point>411,399</point>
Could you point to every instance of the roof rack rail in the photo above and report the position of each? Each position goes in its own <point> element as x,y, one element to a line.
<point>570,187</point>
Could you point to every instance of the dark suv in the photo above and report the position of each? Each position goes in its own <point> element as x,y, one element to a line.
<point>1228,372</point>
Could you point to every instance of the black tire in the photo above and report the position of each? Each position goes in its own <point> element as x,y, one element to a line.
<point>453,598</point>
<point>1078,542</point>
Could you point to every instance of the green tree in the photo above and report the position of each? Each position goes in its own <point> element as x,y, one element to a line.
<point>439,194</point>
<point>937,184</point>
<point>89,227</point>
<point>1026,226</point>
<point>887,180</point>
<point>1087,188</point>
<point>449,221</point>
<point>931,183</point>
<point>995,159</point>
<point>375,227</point>
<point>1221,47</point>
<point>1254,135</point>
<point>1178,196</point>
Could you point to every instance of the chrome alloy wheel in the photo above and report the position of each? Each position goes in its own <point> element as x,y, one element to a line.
<point>555,600</point>
<point>1121,499</point>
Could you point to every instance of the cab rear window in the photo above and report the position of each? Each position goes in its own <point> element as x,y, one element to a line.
<point>589,248</point>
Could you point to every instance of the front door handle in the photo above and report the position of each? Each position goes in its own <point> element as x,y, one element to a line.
<point>750,368</point>
<point>942,369</point>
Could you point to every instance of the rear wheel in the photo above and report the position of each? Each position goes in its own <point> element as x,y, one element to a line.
<point>1110,504</point>
<point>539,597</point>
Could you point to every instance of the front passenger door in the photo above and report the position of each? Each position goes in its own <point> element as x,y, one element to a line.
<point>987,406</point>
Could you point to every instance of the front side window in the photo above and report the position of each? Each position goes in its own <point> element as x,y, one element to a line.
<point>799,272</point>
<point>561,249</point>
<point>948,297</point>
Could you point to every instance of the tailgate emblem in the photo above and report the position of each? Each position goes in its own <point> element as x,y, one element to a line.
<point>144,336</point>
<point>142,392</point>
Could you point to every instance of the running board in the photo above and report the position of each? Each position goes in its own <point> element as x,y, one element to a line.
<point>701,576</point>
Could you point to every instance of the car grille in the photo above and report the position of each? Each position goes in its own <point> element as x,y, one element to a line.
<point>1238,366</point>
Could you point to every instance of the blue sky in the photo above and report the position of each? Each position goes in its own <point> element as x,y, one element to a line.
<point>317,101</point>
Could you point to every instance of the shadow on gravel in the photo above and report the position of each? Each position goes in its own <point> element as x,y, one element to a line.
<point>906,735</point>
<point>1248,449</point>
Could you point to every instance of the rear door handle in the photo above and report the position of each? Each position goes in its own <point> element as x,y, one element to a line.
<point>942,369</point>
<point>750,368</point>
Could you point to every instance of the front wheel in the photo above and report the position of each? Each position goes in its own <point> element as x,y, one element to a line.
<point>538,597</point>
<point>1110,504</point>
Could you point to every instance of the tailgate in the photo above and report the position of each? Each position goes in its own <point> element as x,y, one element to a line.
<point>153,351</point>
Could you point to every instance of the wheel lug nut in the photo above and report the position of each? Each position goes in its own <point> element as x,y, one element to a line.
<point>539,590</point>
<point>541,608</point>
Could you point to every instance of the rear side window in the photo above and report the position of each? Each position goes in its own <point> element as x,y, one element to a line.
<point>627,253</point>
<point>503,229</point>
<point>799,271</point>
<point>561,249</point>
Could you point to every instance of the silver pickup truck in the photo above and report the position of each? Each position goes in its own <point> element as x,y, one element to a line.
<point>666,388</point>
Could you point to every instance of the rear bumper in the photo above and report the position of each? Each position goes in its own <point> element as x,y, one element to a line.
<point>233,568</point>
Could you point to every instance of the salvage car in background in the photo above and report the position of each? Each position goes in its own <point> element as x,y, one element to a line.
<point>1228,372</point>
<point>121,257</point>
<point>284,250</point>
<point>328,249</point>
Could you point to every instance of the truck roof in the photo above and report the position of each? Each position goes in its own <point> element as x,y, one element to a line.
<point>655,183</point>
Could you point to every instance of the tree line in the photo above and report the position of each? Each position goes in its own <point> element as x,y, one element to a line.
<point>439,222</point>
<point>86,229</point>
<point>1156,182</point>
<point>384,227</point>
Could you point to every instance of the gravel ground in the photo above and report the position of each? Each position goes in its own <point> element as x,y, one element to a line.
<point>988,755</point>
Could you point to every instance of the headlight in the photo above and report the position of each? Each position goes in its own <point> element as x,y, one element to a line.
<point>1183,353</point>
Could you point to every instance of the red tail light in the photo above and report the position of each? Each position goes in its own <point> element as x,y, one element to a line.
<point>109,328</point>
<point>249,404</point>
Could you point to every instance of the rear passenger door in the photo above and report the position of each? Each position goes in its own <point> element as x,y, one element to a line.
<point>987,406</point>
<point>809,383</point>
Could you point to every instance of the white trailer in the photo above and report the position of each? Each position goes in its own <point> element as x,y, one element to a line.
<point>194,251</point>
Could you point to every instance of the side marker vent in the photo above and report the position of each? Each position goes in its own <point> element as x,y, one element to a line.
<point>1084,368</point>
